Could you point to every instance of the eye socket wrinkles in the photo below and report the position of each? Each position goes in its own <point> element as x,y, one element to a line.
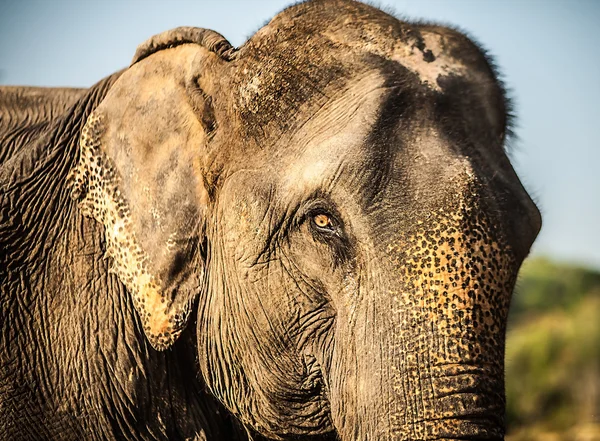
<point>317,214</point>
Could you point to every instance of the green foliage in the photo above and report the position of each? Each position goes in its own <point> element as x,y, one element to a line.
<point>553,352</point>
<point>544,285</point>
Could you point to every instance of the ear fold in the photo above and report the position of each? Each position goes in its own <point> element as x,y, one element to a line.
<point>141,174</point>
<point>211,40</point>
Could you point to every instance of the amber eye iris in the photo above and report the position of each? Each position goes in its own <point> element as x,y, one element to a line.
<point>322,221</point>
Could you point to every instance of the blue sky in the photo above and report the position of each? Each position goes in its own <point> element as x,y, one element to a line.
<point>547,50</point>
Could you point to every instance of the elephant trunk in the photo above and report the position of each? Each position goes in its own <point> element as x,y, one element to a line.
<point>409,392</point>
<point>420,354</point>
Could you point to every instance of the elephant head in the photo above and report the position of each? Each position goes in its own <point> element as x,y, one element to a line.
<point>335,200</point>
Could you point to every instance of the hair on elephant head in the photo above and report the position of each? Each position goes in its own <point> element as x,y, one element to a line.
<point>335,198</point>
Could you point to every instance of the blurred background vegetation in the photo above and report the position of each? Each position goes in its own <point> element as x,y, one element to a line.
<point>553,354</point>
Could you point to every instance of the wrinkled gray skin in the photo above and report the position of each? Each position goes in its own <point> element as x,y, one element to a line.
<point>316,235</point>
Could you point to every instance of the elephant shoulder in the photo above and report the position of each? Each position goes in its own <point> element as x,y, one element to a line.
<point>33,173</point>
<point>28,105</point>
<point>26,112</point>
<point>38,125</point>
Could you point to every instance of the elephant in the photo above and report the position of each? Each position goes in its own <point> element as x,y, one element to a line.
<point>313,236</point>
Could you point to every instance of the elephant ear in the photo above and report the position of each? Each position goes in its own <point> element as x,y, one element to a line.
<point>141,175</point>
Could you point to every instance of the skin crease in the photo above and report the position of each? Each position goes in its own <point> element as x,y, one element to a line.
<point>25,112</point>
<point>263,243</point>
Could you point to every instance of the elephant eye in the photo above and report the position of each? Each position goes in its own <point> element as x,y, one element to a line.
<point>322,221</point>
<point>325,223</point>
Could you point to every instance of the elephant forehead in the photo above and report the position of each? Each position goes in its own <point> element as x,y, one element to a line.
<point>426,58</point>
<point>334,134</point>
<point>422,52</point>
